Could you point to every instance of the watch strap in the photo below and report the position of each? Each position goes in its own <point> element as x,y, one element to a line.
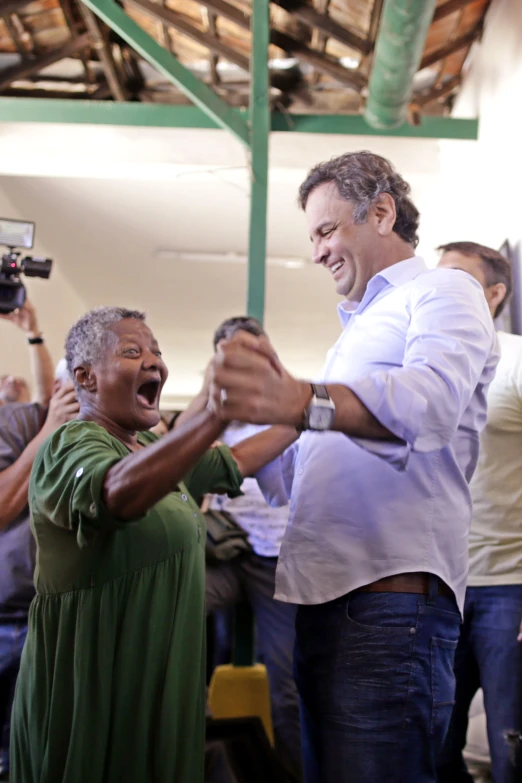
<point>320,391</point>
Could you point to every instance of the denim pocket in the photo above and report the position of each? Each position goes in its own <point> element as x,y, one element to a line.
<point>442,686</point>
<point>383,613</point>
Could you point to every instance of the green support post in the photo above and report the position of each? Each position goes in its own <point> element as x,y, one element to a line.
<point>259,134</point>
<point>165,62</point>
<point>260,120</point>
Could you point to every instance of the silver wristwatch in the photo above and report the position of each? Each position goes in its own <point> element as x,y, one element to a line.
<point>320,413</point>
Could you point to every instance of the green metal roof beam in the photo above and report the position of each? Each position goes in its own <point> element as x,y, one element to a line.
<point>259,124</point>
<point>398,53</point>
<point>155,115</point>
<point>165,62</point>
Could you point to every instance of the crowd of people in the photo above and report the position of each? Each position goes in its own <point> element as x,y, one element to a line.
<point>363,497</point>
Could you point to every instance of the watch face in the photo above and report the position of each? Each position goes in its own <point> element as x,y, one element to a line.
<point>320,418</point>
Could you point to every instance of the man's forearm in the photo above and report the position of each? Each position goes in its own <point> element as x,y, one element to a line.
<point>42,371</point>
<point>353,418</point>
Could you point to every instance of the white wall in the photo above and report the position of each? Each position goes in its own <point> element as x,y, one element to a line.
<point>57,303</point>
<point>493,92</point>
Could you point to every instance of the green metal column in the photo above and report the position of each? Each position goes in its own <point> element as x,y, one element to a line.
<point>398,52</point>
<point>259,134</point>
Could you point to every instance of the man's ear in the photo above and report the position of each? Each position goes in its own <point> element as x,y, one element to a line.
<point>385,213</point>
<point>495,294</point>
<point>85,377</point>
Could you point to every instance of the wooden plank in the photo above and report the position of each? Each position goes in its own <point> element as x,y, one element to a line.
<point>437,92</point>
<point>112,75</point>
<point>166,64</point>
<point>450,7</point>
<point>173,19</point>
<point>34,65</point>
<point>454,46</point>
<point>286,42</point>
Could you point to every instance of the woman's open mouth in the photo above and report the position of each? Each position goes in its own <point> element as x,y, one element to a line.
<point>148,393</point>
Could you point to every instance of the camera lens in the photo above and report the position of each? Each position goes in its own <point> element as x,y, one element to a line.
<point>12,295</point>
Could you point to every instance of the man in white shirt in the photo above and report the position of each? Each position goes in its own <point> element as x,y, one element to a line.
<point>488,655</point>
<point>375,552</point>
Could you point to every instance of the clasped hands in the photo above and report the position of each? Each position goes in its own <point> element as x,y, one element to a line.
<point>248,383</point>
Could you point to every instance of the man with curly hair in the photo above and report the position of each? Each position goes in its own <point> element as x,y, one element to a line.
<point>375,551</point>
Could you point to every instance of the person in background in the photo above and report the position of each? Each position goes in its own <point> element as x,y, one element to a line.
<point>375,551</point>
<point>23,429</point>
<point>111,683</point>
<point>489,656</point>
<point>13,389</point>
<point>251,576</point>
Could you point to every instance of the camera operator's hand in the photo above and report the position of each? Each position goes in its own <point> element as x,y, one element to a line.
<point>63,407</point>
<point>25,318</point>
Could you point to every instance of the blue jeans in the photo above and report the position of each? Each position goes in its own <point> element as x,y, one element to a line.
<point>488,657</point>
<point>374,673</point>
<point>12,638</point>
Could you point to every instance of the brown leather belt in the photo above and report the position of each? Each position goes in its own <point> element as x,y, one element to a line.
<point>406,583</point>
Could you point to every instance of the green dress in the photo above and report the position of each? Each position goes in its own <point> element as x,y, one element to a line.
<point>111,686</point>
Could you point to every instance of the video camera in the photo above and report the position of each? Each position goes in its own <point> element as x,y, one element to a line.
<point>14,234</point>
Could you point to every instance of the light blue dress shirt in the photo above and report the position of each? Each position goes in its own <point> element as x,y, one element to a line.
<point>419,351</point>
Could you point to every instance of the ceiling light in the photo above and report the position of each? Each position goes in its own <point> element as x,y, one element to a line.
<point>287,262</point>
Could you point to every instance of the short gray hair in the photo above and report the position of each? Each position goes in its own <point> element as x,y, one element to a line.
<point>360,178</point>
<point>84,343</point>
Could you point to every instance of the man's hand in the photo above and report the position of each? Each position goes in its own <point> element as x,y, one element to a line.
<point>25,318</point>
<point>519,637</point>
<point>63,407</point>
<point>250,384</point>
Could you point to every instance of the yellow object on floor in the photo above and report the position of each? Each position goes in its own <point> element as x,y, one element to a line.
<point>240,692</point>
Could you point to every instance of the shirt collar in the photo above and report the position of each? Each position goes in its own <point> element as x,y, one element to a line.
<point>395,275</point>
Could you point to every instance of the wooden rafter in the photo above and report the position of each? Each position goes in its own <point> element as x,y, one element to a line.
<point>287,43</point>
<point>450,7</point>
<point>12,6</point>
<point>319,39</point>
<point>70,22</point>
<point>320,62</point>
<point>325,24</point>
<point>101,93</point>
<point>179,22</point>
<point>14,36</point>
<point>451,48</point>
<point>436,93</point>
<point>23,35</point>
<point>372,34</point>
<point>167,40</point>
<point>308,31</point>
<point>304,13</point>
<point>212,29</point>
<point>35,64</point>
<point>104,53</point>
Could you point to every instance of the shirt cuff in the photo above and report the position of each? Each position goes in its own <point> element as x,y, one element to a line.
<point>271,482</point>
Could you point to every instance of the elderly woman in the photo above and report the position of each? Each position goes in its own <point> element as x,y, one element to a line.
<point>111,686</point>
